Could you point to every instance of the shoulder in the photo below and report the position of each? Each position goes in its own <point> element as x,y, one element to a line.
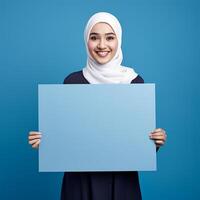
<point>75,78</point>
<point>138,79</point>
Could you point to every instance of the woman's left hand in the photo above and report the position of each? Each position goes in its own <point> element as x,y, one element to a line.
<point>159,136</point>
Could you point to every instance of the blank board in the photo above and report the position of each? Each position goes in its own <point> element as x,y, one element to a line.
<point>101,127</point>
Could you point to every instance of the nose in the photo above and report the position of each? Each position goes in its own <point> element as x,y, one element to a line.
<point>101,44</point>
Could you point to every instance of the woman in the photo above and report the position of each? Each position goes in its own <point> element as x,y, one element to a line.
<point>103,44</point>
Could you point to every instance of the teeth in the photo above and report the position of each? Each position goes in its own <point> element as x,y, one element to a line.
<point>102,53</point>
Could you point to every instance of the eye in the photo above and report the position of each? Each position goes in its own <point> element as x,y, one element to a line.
<point>109,38</point>
<point>93,38</point>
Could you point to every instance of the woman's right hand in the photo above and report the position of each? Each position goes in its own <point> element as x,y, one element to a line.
<point>34,139</point>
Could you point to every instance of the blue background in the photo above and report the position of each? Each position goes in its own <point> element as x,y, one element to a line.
<point>42,42</point>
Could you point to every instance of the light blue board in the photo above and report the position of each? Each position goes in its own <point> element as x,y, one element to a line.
<point>96,127</point>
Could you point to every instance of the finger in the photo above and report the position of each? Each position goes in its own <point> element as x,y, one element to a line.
<point>159,142</point>
<point>157,137</point>
<point>33,141</point>
<point>158,130</point>
<point>32,137</point>
<point>158,134</point>
<point>36,145</point>
<point>34,133</point>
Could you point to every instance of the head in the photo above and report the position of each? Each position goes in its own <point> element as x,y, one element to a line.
<point>102,43</point>
<point>103,38</point>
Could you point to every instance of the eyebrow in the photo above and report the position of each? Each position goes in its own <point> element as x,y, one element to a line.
<point>93,33</point>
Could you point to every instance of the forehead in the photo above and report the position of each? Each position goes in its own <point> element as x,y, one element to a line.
<point>102,28</point>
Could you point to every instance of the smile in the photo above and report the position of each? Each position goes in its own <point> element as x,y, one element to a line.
<point>102,53</point>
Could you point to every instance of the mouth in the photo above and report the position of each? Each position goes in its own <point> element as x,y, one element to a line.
<point>102,53</point>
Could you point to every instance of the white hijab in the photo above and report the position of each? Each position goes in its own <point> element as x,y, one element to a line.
<point>113,71</point>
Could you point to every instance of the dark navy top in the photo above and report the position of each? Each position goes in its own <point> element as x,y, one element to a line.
<point>99,185</point>
<point>78,78</point>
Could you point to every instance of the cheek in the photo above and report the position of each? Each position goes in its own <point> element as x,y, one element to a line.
<point>91,46</point>
<point>114,46</point>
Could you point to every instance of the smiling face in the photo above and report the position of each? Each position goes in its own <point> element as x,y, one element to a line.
<point>102,43</point>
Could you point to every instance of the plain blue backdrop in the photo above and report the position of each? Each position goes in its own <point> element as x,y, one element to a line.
<point>42,42</point>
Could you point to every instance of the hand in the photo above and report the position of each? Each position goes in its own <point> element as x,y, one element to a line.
<point>34,139</point>
<point>159,136</point>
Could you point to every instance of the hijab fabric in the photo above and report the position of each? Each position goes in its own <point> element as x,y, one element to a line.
<point>113,71</point>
